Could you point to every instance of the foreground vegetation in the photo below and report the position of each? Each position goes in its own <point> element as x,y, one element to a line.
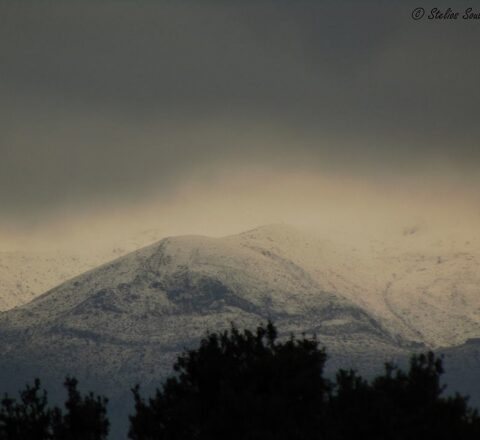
<point>249,385</point>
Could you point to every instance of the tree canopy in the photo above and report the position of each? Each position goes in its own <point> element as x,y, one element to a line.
<point>31,418</point>
<point>250,385</point>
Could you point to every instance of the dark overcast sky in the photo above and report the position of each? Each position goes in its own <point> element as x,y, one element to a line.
<point>107,100</point>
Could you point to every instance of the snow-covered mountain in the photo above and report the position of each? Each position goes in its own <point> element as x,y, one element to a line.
<point>141,307</point>
<point>409,291</point>
<point>368,301</point>
<point>421,285</point>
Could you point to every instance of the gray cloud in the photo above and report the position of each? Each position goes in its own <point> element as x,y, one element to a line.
<point>110,100</point>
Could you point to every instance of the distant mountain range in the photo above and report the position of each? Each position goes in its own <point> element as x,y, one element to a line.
<point>367,301</point>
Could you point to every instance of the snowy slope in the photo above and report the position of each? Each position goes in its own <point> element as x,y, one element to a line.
<point>417,283</point>
<point>25,275</point>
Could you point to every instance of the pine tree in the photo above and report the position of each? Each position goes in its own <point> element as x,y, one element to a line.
<point>86,416</point>
<point>32,419</point>
<point>238,385</point>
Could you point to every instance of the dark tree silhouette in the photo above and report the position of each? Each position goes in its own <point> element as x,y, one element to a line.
<point>238,385</point>
<point>86,416</point>
<point>399,405</point>
<point>31,418</point>
<point>248,386</point>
